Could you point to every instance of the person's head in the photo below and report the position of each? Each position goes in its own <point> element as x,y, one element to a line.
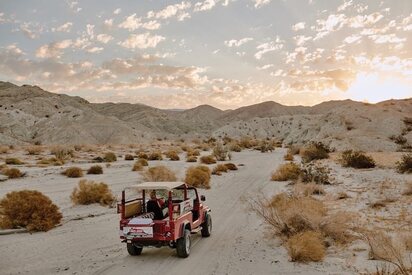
<point>153,195</point>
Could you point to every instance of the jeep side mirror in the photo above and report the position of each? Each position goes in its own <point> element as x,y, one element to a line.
<point>202,198</point>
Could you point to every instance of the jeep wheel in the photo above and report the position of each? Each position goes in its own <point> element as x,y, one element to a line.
<point>133,249</point>
<point>183,245</point>
<point>207,226</point>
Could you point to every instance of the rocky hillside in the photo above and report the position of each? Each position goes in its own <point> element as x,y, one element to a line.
<point>29,114</point>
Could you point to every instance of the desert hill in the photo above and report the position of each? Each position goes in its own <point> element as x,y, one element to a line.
<point>29,114</point>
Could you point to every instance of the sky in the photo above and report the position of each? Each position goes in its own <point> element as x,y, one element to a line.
<point>225,53</point>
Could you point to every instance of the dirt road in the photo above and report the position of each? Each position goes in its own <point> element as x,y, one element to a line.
<point>92,246</point>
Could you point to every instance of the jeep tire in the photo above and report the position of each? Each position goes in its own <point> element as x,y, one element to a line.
<point>183,244</point>
<point>133,249</point>
<point>207,226</point>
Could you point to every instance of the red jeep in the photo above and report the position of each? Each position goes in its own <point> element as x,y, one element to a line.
<point>162,222</point>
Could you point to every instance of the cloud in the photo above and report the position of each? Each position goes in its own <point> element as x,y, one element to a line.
<point>299,26</point>
<point>261,3</point>
<point>117,11</point>
<point>104,38</point>
<point>27,29</point>
<point>142,41</point>
<point>133,22</point>
<point>301,39</point>
<point>66,27</point>
<point>268,47</point>
<point>237,43</point>
<point>94,50</point>
<point>90,30</point>
<point>345,5</point>
<point>178,10</point>
<point>73,5</point>
<point>205,5</point>
<point>53,50</point>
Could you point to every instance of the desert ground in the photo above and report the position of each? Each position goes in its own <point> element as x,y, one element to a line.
<point>87,240</point>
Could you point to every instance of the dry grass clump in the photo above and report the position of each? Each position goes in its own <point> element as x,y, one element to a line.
<point>88,192</point>
<point>305,247</point>
<point>191,159</point>
<point>73,172</point>
<point>34,150</point>
<point>293,150</point>
<point>128,157</point>
<point>143,162</point>
<point>231,166</point>
<point>192,152</point>
<point>266,146</point>
<point>317,173</point>
<point>62,154</point>
<point>50,161</point>
<point>314,151</point>
<point>408,189</point>
<point>95,170</point>
<point>110,157</point>
<point>159,173</point>
<point>309,189</point>
<point>404,166</point>
<point>208,159</point>
<point>288,157</point>
<point>137,166</point>
<point>155,155</point>
<point>4,149</point>
<point>219,169</point>
<point>220,152</point>
<point>172,155</point>
<point>13,161</point>
<point>234,147</point>
<point>198,176</point>
<point>12,173</point>
<point>287,171</point>
<point>336,227</point>
<point>29,209</point>
<point>142,155</point>
<point>356,159</point>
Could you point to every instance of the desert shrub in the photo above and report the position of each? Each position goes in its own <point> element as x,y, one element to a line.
<point>159,173</point>
<point>314,151</point>
<point>293,150</point>
<point>98,159</point>
<point>247,142</point>
<point>219,169</point>
<point>88,192</point>
<point>110,157</point>
<point>4,149</point>
<point>408,189</point>
<point>288,157</point>
<point>95,170</point>
<point>231,166</point>
<point>172,155</point>
<point>307,246</point>
<point>50,161</point>
<point>316,173</point>
<point>337,227</point>
<point>356,159</point>
<point>155,155</point>
<point>309,189</point>
<point>405,164</point>
<point>13,161</point>
<point>191,159</point>
<point>266,146</point>
<point>73,172</point>
<point>234,147</point>
<point>142,162</point>
<point>400,140</point>
<point>137,166</point>
<point>208,159</point>
<point>34,150</point>
<point>192,152</point>
<point>12,173</point>
<point>62,154</point>
<point>142,155</point>
<point>128,157</point>
<point>220,152</point>
<point>287,171</point>
<point>29,209</point>
<point>198,176</point>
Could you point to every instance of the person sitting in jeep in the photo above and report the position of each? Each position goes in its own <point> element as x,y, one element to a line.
<point>155,205</point>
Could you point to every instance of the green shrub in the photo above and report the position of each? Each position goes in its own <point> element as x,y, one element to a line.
<point>316,173</point>
<point>356,159</point>
<point>29,209</point>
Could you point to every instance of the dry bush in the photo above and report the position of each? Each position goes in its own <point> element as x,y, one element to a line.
<point>208,159</point>
<point>95,170</point>
<point>142,162</point>
<point>172,155</point>
<point>34,150</point>
<point>356,159</point>
<point>305,247</point>
<point>142,155</point>
<point>220,152</point>
<point>384,248</point>
<point>29,209</point>
<point>88,192</point>
<point>128,157</point>
<point>404,166</point>
<point>407,240</point>
<point>192,152</point>
<point>266,146</point>
<point>408,189</point>
<point>198,176</point>
<point>288,157</point>
<point>287,171</point>
<point>73,172</point>
<point>314,151</point>
<point>315,172</point>
<point>12,173</point>
<point>191,159</point>
<point>50,161</point>
<point>231,166</point>
<point>337,227</point>
<point>342,196</point>
<point>62,154</point>
<point>137,166</point>
<point>4,149</point>
<point>219,169</point>
<point>155,155</point>
<point>110,157</point>
<point>13,161</point>
<point>309,189</point>
<point>400,140</point>
<point>247,142</point>
<point>159,173</point>
<point>293,150</point>
<point>234,147</point>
